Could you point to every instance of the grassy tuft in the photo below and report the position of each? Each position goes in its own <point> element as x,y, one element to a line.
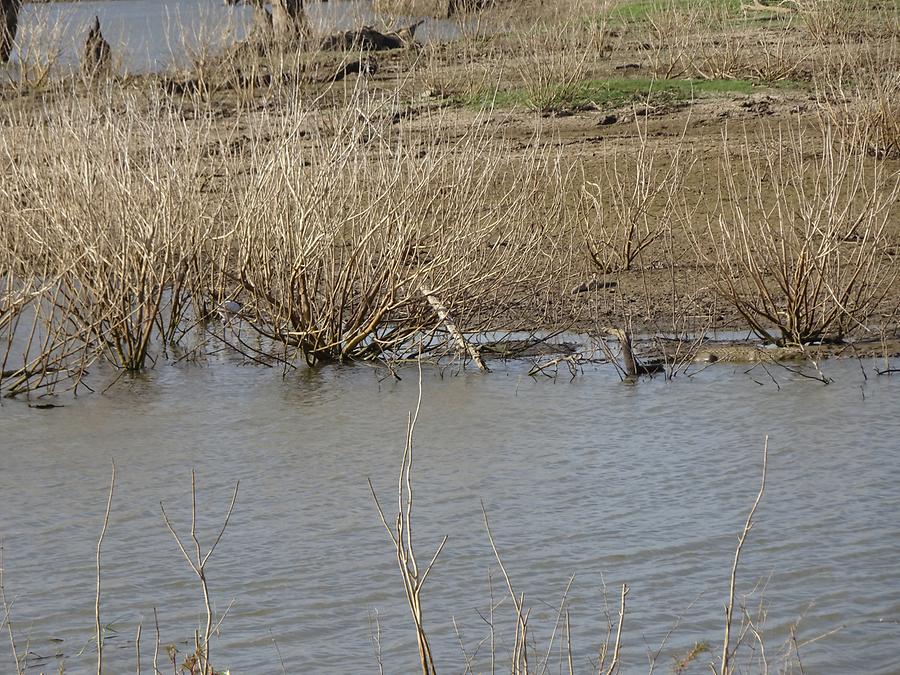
<point>641,10</point>
<point>606,93</point>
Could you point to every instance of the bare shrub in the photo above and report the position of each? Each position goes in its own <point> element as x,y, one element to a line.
<point>367,221</point>
<point>465,67</point>
<point>776,56</point>
<point>40,45</point>
<point>719,52</point>
<point>827,19</point>
<point>337,230</point>
<point>401,534</point>
<point>858,94</point>
<point>700,39</point>
<point>197,559</point>
<point>201,45</point>
<point>557,58</point>
<point>37,351</point>
<point>671,40</point>
<point>434,8</point>
<point>633,204</point>
<point>800,247</point>
<point>116,224</point>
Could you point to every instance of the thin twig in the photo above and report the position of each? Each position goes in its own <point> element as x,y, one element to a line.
<point>98,627</point>
<point>7,619</point>
<point>726,667</point>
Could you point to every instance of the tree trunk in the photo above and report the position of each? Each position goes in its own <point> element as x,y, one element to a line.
<point>9,22</point>
<point>289,21</point>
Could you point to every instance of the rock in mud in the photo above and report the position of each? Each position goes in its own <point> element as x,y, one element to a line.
<point>594,285</point>
<point>369,39</point>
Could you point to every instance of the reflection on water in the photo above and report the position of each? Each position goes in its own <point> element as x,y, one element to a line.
<point>646,484</point>
<point>152,34</point>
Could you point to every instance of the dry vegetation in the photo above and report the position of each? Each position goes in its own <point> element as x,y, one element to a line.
<point>641,152</point>
<point>662,166</point>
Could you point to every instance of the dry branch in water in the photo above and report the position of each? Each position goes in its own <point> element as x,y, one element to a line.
<point>98,626</point>
<point>402,537</point>
<point>197,561</point>
<point>726,666</point>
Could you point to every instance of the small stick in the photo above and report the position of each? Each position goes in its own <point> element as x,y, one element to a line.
<point>7,618</point>
<point>199,565</point>
<point>614,664</point>
<point>156,646</point>
<point>137,649</point>
<point>99,628</point>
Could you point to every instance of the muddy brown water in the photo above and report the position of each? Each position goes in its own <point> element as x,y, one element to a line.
<point>645,484</point>
<point>149,35</point>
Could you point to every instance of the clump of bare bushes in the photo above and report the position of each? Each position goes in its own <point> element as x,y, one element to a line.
<point>800,246</point>
<point>556,58</point>
<point>858,94</point>
<point>324,220</point>
<point>375,222</point>
<point>335,230</point>
<point>707,41</point>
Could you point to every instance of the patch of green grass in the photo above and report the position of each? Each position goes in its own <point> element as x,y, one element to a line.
<point>640,10</point>
<point>604,93</point>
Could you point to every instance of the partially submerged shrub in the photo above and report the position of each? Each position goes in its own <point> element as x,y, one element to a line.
<point>39,49</point>
<point>336,233</point>
<point>799,249</point>
<point>114,216</point>
<point>363,232</point>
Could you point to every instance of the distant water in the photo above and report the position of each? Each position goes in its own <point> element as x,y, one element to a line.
<point>646,484</point>
<point>150,35</point>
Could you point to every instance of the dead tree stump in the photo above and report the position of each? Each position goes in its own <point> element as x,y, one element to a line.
<point>97,53</point>
<point>9,23</point>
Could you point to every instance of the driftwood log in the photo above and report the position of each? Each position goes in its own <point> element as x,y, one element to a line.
<point>369,39</point>
<point>9,22</point>
<point>96,58</point>
<point>444,317</point>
